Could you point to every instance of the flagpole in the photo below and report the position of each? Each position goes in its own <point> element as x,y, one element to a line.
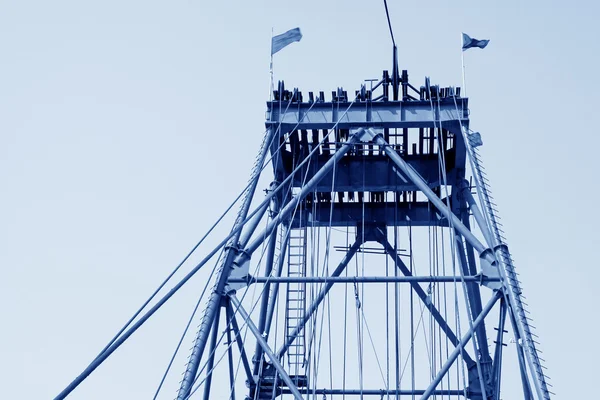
<point>462,61</point>
<point>271,68</point>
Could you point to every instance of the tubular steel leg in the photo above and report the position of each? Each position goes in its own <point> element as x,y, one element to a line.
<point>275,291</point>
<point>474,300</point>
<point>526,387</point>
<point>252,225</point>
<point>497,368</point>
<point>465,339</point>
<point>240,342</point>
<point>222,274</point>
<point>507,271</point>
<point>485,230</point>
<point>211,359</point>
<point>226,266</point>
<point>274,359</point>
<point>266,292</point>
<point>319,298</point>
<point>230,359</point>
<point>499,257</point>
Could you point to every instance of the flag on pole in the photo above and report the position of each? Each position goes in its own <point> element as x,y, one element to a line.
<point>280,41</point>
<point>469,42</point>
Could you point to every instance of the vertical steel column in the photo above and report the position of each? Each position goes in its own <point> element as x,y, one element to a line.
<point>267,289</point>
<point>275,291</point>
<point>222,275</point>
<point>252,225</point>
<point>274,359</point>
<point>211,359</point>
<point>238,338</point>
<point>522,363</point>
<point>474,298</point>
<point>497,368</point>
<point>230,359</point>
<point>479,218</point>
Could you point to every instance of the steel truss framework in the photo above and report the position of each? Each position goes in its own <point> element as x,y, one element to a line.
<point>339,153</point>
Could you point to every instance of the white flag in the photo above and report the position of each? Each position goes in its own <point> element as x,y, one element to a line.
<point>280,41</point>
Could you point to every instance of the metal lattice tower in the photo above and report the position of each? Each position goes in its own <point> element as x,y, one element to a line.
<point>381,269</point>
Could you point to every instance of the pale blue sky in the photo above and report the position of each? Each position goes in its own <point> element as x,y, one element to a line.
<point>126,127</point>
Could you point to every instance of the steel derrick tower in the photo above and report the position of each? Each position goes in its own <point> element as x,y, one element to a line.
<point>386,158</point>
<point>374,267</point>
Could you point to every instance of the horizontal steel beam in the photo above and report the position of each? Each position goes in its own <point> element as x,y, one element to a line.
<point>385,213</point>
<point>374,173</point>
<point>388,114</point>
<point>363,279</point>
<point>376,392</point>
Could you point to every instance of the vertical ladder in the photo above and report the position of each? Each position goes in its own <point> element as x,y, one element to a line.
<point>296,298</point>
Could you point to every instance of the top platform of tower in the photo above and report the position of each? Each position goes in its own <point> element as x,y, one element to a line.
<point>400,105</point>
<point>417,123</point>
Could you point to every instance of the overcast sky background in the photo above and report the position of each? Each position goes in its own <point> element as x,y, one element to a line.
<point>126,127</point>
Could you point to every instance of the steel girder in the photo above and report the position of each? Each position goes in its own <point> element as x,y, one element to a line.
<point>368,114</point>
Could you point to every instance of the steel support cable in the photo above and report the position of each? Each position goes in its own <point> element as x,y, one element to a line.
<point>325,272</point>
<point>170,275</point>
<point>507,268</point>
<point>288,233</point>
<point>442,160</point>
<point>345,345</point>
<point>211,354</point>
<point>447,347</point>
<point>387,323</point>
<point>296,208</point>
<point>436,292</point>
<point>351,141</point>
<point>387,14</point>
<point>213,306</point>
<point>262,255</point>
<point>413,266</point>
<point>166,280</point>
<point>119,340</point>
<point>442,171</point>
<point>191,251</point>
<point>429,391</point>
<point>255,304</point>
<point>258,264</point>
<point>429,294</point>
<point>412,332</point>
<point>187,327</point>
<point>230,344</point>
<point>397,319</point>
<point>330,342</point>
<point>362,314</point>
<point>359,337</point>
<point>258,352</point>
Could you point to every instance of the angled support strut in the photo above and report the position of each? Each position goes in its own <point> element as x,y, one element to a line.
<point>274,359</point>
